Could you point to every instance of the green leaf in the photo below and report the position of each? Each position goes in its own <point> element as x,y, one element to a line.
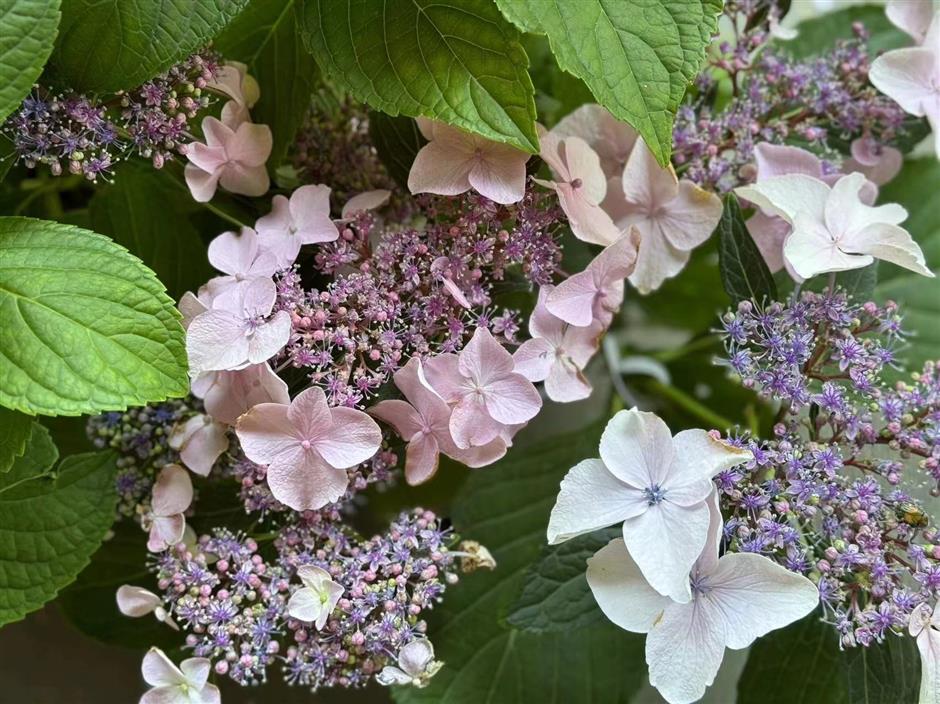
<point>919,298</point>
<point>266,37</point>
<point>885,673</point>
<point>637,57</point>
<point>457,61</point>
<point>819,34</point>
<point>486,660</point>
<point>110,45</point>
<point>36,460</point>
<point>27,32</point>
<point>89,603</point>
<point>796,665</point>
<point>49,527</point>
<point>86,326</point>
<point>17,429</point>
<point>397,141</point>
<point>744,273</point>
<point>140,211</point>
<point>555,594</point>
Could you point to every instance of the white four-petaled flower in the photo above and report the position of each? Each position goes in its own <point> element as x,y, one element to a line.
<point>657,485</point>
<point>316,599</point>
<point>186,684</point>
<point>416,665</point>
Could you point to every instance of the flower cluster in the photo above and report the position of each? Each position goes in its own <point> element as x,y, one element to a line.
<point>70,132</point>
<point>244,612</point>
<point>829,496</point>
<point>824,101</point>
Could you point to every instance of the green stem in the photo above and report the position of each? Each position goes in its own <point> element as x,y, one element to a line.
<point>693,407</point>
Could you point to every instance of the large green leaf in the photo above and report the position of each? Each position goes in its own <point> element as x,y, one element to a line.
<point>457,61</point>
<point>637,57</point>
<point>86,326</point>
<point>265,36</point>
<point>506,507</point>
<point>142,212</point>
<point>109,45</point>
<point>27,32</point>
<point>50,524</point>
<point>796,665</point>
<point>886,673</point>
<point>555,594</point>
<point>17,428</point>
<point>744,273</point>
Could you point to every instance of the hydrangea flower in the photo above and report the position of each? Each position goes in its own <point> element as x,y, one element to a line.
<point>307,446</point>
<point>736,599</point>
<point>228,394</point>
<point>672,216</point>
<point>657,485</point>
<point>239,329</point>
<point>581,187</point>
<point>610,138</point>
<point>316,599</point>
<point>240,256</point>
<point>233,157</point>
<point>424,423</point>
<point>557,352</point>
<point>302,219</point>
<point>186,684</point>
<point>485,391</point>
<point>172,495</point>
<point>232,79</point>
<point>136,602</point>
<point>911,16</point>
<point>595,294</point>
<point>416,665</point>
<point>879,162</point>
<point>454,161</point>
<point>200,441</point>
<point>833,230</point>
<point>911,76</point>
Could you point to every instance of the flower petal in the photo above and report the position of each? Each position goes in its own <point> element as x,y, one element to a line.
<point>590,498</point>
<point>353,437</point>
<point>637,448</point>
<point>305,482</point>
<point>368,200</point>
<point>439,169</point>
<point>305,605</point>
<point>512,399</point>
<point>421,459</point>
<point>620,590</point>
<point>904,75</point>
<point>136,601</point>
<point>415,656</point>
<point>500,174</point>
<point>159,671</point>
<point>196,671</point>
<point>699,456</point>
<point>172,492</point>
<point>265,433</point>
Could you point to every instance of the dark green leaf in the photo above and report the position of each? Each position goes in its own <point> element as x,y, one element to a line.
<point>860,283</point>
<point>15,430</point>
<point>506,508</point>
<point>27,32</point>
<point>140,211</point>
<point>919,298</point>
<point>397,140</point>
<point>86,326</point>
<point>555,593</point>
<point>744,273</point>
<point>265,36</point>
<point>89,603</point>
<point>819,34</point>
<point>796,665</point>
<point>50,524</point>
<point>886,673</point>
<point>109,45</point>
<point>457,61</point>
<point>637,57</point>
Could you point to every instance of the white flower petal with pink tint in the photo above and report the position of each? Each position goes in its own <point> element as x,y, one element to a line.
<point>307,446</point>
<point>228,394</point>
<point>316,599</point>
<point>672,216</point>
<point>186,684</point>
<point>925,627</point>
<point>454,161</point>
<point>231,157</point>
<point>172,495</point>
<point>200,441</point>
<point>657,485</point>
<point>190,306</point>
<point>610,138</point>
<point>241,257</point>
<point>880,163</point>
<point>363,202</point>
<point>595,294</point>
<point>239,330</point>
<point>833,229</point>
<point>233,80</point>
<point>136,602</point>
<point>416,665</point>
<point>911,16</point>
<point>302,219</point>
<point>581,187</point>
<point>736,599</point>
<point>911,77</point>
